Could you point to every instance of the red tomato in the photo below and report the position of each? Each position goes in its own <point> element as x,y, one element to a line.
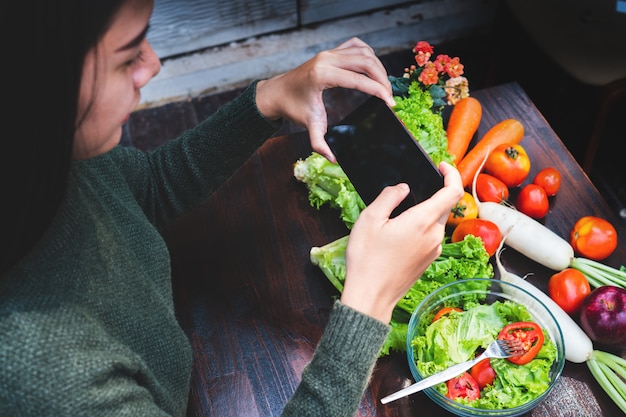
<point>529,334</point>
<point>532,200</point>
<point>486,230</point>
<point>444,311</point>
<point>465,209</point>
<point>593,237</point>
<point>483,373</point>
<point>489,188</point>
<point>510,163</point>
<point>549,179</point>
<point>568,289</point>
<point>463,386</point>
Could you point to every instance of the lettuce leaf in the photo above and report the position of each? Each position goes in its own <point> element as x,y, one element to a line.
<point>426,125</point>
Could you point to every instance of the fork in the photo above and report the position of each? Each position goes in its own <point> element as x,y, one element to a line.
<point>499,349</point>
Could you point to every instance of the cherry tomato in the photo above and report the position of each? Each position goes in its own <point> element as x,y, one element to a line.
<point>529,334</point>
<point>509,163</point>
<point>489,188</point>
<point>465,209</point>
<point>486,230</point>
<point>532,200</point>
<point>444,311</point>
<point>483,373</point>
<point>593,237</point>
<point>549,179</point>
<point>568,289</point>
<point>463,386</point>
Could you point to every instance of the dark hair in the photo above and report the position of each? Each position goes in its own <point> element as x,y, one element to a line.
<point>45,70</point>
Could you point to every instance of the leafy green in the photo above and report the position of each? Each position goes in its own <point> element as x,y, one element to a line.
<point>416,112</point>
<point>456,338</point>
<point>328,184</point>
<point>460,260</point>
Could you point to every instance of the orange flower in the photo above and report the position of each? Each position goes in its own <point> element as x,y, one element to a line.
<point>424,47</point>
<point>441,62</point>
<point>422,58</point>
<point>429,75</point>
<point>454,68</point>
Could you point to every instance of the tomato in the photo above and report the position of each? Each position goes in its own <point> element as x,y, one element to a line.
<point>593,237</point>
<point>486,230</point>
<point>483,373</point>
<point>568,289</point>
<point>465,209</point>
<point>463,386</point>
<point>529,334</point>
<point>510,163</point>
<point>444,311</point>
<point>489,188</point>
<point>532,200</point>
<point>549,179</point>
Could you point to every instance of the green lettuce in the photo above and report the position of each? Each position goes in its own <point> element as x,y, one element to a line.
<point>456,337</point>
<point>426,125</point>
<point>328,184</point>
<point>460,260</point>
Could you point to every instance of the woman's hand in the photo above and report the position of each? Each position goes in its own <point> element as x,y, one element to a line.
<point>386,256</point>
<point>297,94</point>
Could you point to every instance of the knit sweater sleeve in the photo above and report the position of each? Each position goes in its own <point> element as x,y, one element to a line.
<point>177,176</point>
<point>334,381</point>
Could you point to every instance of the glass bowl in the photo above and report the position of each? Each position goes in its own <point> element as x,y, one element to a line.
<point>487,291</point>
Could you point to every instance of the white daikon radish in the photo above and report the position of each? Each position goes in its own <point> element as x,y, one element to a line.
<point>525,234</point>
<point>578,346</point>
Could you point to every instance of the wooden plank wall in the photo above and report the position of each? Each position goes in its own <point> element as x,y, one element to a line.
<point>183,26</point>
<point>202,51</point>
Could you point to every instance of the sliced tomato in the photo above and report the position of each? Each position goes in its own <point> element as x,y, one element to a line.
<point>464,386</point>
<point>444,311</point>
<point>529,334</point>
<point>483,373</point>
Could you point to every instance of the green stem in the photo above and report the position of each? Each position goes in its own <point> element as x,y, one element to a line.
<point>600,274</point>
<point>605,368</point>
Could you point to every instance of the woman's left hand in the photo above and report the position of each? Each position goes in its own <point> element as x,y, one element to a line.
<point>297,94</point>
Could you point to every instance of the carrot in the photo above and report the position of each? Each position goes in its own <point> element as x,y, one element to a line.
<point>462,125</point>
<point>506,131</point>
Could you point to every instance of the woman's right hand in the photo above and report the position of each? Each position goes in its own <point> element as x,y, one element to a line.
<point>386,256</point>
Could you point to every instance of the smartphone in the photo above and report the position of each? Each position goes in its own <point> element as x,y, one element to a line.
<point>375,150</point>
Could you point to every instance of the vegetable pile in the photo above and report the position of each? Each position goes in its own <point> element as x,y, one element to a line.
<point>582,290</point>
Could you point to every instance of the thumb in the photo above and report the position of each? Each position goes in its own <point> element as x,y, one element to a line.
<point>388,200</point>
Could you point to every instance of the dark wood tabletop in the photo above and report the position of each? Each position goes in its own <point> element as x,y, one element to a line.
<point>254,306</point>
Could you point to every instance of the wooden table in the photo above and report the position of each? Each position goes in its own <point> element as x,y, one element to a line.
<point>254,306</point>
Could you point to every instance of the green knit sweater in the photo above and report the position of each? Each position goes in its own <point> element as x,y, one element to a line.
<point>87,324</point>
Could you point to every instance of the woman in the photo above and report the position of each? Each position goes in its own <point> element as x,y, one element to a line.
<point>87,323</point>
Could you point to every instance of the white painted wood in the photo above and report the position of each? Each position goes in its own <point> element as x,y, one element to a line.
<point>313,11</point>
<point>235,65</point>
<point>182,26</point>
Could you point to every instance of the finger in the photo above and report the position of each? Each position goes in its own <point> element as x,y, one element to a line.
<point>451,175</point>
<point>317,130</point>
<point>445,198</point>
<point>354,41</point>
<point>389,198</point>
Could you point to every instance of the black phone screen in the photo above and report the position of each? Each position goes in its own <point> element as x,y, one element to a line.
<point>375,150</point>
